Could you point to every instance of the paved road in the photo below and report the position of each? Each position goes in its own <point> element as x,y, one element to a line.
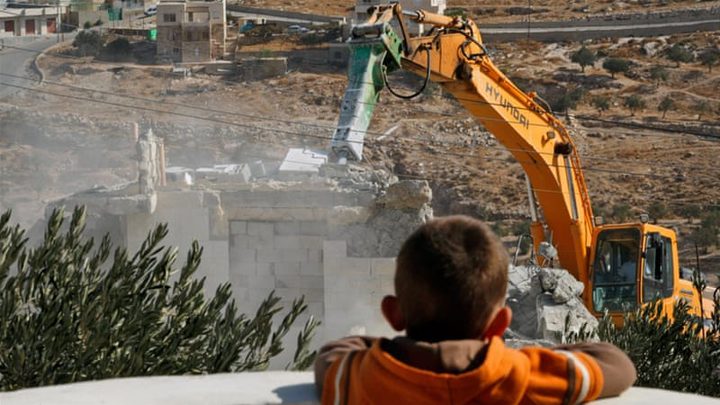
<point>604,28</point>
<point>17,61</point>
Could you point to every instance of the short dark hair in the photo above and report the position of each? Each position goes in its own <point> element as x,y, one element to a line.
<point>451,273</point>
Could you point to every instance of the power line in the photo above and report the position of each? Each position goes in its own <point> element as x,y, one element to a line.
<point>290,122</point>
<point>250,126</point>
<point>305,135</point>
<point>522,108</point>
<point>676,202</point>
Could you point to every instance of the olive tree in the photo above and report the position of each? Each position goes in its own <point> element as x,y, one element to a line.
<point>583,57</point>
<point>634,103</point>
<point>616,65</point>
<point>73,310</point>
<point>666,104</point>
<point>601,103</point>
<point>679,54</point>
<point>658,74</point>
<point>709,57</point>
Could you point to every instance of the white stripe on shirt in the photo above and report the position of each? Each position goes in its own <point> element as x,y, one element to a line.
<point>584,373</point>
<point>338,378</point>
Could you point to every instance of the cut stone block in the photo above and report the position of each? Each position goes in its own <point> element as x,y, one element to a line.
<point>263,229</point>
<point>287,228</point>
<point>334,249</point>
<point>238,227</point>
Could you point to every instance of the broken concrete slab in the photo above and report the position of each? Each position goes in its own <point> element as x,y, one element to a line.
<point>302,161</point>
<point>556,321</point>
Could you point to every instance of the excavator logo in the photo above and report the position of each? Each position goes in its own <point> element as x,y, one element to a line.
<point>503,102</point>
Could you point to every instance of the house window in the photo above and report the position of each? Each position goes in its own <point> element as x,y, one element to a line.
<point>205,36</point>
<point>176,51</point>
<point>190,17</point>
<point>168,18</point>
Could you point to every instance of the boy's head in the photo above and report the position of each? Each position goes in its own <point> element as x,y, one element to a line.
<point>450,282</point>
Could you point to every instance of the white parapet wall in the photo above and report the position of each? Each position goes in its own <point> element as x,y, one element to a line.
<point>245,388</point>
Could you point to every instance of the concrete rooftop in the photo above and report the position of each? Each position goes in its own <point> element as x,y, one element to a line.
<point>244,388</point>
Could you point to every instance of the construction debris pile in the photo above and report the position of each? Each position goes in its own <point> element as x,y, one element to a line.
<point>546,303</point>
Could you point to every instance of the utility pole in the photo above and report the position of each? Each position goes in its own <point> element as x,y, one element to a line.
<point>58,22</point>
<point>528,18</point>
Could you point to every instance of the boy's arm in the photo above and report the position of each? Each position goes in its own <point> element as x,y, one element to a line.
<point>617,369</point>
<point>334,350</point>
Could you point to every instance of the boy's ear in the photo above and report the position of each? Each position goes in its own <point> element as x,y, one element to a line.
<point>391,311</point>
<point>499,323</point>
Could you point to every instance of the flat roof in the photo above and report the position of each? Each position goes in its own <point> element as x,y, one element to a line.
<point>30,12</point>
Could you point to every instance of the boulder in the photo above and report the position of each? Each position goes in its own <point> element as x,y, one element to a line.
<point>563,285</point>
<point>407,194</point>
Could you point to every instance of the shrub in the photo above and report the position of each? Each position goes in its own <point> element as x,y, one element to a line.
<point>88,42</point>
<point>672,354</point>
<point>621,212</point>
<point>616,65</point>
<point>68,313</point>
<point>87,25</point>
<point>702,107</point>
<point>657,210</point>
<point>119,48</point>
<point>456,12</point>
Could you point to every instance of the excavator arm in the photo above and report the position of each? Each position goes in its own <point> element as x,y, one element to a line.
<point>453,55</point>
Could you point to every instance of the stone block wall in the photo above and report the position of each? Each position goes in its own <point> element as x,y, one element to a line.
<point>283,256</point>
<point>354,287</point>
<point>189,217</point>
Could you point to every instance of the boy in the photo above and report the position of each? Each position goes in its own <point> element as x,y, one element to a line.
<point>450,283</point>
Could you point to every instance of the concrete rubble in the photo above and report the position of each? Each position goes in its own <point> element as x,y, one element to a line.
<point>546,303</point>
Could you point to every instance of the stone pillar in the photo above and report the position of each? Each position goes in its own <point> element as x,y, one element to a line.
<point>148,156</point>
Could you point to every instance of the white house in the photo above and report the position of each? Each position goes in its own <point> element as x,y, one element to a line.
<point>29,21</point>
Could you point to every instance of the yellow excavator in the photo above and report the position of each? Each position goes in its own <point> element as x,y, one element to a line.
<point>622,266</point>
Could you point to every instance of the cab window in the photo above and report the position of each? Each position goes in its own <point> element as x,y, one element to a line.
<point>658,268</point>
<point>615,270</point>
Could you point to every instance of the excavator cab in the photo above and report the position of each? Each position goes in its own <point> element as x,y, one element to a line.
<point>633,265</point>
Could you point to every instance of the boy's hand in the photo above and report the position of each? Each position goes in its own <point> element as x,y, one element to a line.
<point>334,350</point>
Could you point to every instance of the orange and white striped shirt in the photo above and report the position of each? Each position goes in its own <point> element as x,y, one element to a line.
<point>531,375</point>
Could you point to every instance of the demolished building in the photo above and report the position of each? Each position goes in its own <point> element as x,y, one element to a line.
<point>302,228</point>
